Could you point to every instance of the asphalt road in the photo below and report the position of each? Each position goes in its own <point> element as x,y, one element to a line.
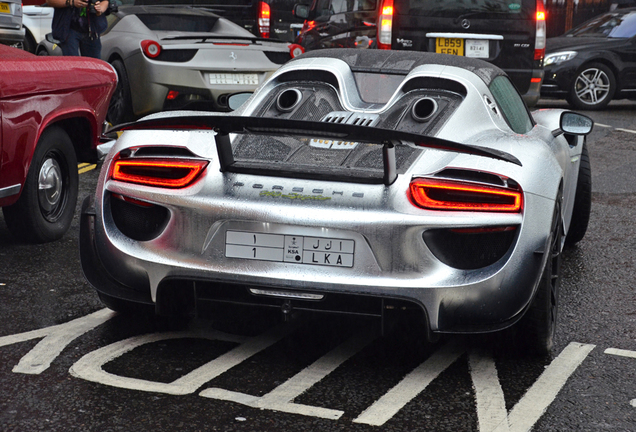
<point>66,364</point>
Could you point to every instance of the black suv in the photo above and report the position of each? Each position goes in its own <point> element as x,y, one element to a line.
<point>508,33</point>
<point>268,19</point>
<point>338,24</point>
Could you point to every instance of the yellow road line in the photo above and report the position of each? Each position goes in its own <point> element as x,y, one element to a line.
<point>86,167</point>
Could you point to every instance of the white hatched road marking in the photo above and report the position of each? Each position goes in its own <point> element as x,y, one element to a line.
<point>56,338</point>
<point>412,384</point>
<point>490,402</point>
<point>89,367</point>
<point>623,353</point>
<point>280,398</point>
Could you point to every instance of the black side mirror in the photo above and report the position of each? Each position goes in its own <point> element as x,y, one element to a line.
<point>237,99</point>
<point>301,11</point>
<point>49,37</point>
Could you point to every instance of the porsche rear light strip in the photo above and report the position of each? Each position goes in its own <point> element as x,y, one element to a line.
<point>451,195</point>
<point>169,173</point>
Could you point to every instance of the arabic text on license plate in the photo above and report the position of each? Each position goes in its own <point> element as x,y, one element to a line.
<point>453,46</point>
<point>477,48</point>
<point>5,8</point>
<point>233,78</point>
<point>289,248</point>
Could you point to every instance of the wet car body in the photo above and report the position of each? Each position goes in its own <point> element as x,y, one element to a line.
<point>313,204</point>
<point>593,63</point>
<point>49,122</point>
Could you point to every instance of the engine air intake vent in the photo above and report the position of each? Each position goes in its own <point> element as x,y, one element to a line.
<point>347,117</point>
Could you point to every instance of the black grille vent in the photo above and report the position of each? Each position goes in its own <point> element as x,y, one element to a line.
<point>176,56</point>
<point>278,57</point>
<point>139,222</point>
<point>470,249</point>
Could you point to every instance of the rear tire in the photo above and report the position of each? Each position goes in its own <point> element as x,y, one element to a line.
<point>45,209</point>
<point>120,108</point>
<point>582,201</point>
<point>536,330</point>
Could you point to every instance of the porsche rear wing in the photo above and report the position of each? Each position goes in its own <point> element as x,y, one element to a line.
<point>224,125</point>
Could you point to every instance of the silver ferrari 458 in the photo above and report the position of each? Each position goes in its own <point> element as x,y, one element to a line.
<point>352,181</point>
<point>170,58</point>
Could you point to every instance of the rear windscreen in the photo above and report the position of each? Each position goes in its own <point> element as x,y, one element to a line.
<point>377,88</point>
<point>332,7</point>
<point>176,22</point>
<point>616,25</point>
<point>467,9</point>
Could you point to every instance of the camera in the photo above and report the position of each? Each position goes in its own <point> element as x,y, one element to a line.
<point>91,6</point>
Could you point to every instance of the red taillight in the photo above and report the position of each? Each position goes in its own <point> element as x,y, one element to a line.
<point>385,25</point>
<point>170,173</point>
<point>172,95</point>
<point>295,50</point>
<point>263,19</point>
<point>438,194</point>
<point>540,38</point>
<point>150,48</point>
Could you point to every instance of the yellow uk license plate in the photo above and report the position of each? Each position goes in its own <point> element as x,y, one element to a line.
<point>5,8</point>
<point>453,46</point>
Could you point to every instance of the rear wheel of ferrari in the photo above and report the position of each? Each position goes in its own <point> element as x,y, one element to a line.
<point>582,201</point>
<point>592,88</point>
<point>120,108</point>
<point>536,330</point>
<point>45,209</point>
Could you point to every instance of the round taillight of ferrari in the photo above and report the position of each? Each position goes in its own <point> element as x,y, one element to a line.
<point>150,48</point>
<point>295,50</point>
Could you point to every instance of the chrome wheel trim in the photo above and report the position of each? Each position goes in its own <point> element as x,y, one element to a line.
<point>592,86</point>
<point>50,188</point>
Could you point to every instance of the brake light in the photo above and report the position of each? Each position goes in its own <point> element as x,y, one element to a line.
<point>540,37</point>
<point>150,48</point>
<point>386,25</point>
<point>170,173</point>
<point>437,194</point>
<point>263,19</point>
<point>295,50</point>
<point>172,95</point>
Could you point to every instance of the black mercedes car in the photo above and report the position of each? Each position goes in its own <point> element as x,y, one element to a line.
<point>593,63</point>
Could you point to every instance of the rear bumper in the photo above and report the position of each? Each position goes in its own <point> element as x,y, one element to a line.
<point>159,275</point>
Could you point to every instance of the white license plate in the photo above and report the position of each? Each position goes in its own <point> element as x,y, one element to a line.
<point>5,8</point>
<point>289,248</point>
<point>477,48</point>
<point>234,78</point>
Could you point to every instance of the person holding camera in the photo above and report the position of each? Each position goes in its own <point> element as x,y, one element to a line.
<point>77,25</point>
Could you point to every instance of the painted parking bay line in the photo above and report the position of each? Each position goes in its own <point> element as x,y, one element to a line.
<point>280,398</point>
<point>85,167</point>
<point>491,412</point>
<point>623,353</point>
<point>89,367</point>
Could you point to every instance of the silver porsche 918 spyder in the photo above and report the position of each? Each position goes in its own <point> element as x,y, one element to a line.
<point>356,182</point>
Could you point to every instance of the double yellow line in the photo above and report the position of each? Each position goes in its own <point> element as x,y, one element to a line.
<point>85,167</point>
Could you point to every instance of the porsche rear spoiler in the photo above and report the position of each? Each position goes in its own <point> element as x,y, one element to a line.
<point>224,125</point>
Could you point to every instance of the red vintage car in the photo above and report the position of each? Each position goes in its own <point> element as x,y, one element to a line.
<point>51,114</point>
